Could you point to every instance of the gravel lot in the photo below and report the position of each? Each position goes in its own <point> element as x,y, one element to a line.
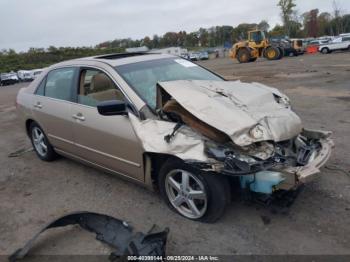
<point>33,192</point>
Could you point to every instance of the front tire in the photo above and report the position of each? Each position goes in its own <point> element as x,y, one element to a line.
<point>41,144</point>
<point>243,55</point>
<point>193,194</point>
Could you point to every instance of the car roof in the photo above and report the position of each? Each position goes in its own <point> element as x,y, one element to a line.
<point>118,58</point>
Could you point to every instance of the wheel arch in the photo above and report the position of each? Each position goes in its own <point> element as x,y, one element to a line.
<point>28,122</point>
<point>153,162</point>
<point>325,48</point>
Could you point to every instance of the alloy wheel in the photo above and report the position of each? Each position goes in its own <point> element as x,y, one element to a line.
<point>186,193</point>
<point>39,141</point>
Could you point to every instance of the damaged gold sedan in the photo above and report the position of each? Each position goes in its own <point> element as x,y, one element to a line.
<point>174,126</point>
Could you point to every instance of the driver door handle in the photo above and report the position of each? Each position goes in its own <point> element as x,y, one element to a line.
<point>38,105</point>
<point>78,116</point>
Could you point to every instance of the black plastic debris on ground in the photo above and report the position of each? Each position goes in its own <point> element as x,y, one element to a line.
<point>266,220</point>
<point>114,232</point>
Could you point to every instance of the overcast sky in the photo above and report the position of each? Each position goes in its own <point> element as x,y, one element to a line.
<point>41,23</point>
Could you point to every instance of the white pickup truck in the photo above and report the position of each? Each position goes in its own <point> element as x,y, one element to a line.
<point>339,43</point>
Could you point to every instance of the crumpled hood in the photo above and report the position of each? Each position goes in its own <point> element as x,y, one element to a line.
<point>246,112</point>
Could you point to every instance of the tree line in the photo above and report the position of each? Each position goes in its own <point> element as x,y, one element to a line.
<point>34,58</point>
<point>294,25</point>
<point>309,24</point>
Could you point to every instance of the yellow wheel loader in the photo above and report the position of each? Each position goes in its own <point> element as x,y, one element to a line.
<point>256,46</point>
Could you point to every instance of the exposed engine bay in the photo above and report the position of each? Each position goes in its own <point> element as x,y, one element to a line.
<point>250,162</point>
<point>244,130</point>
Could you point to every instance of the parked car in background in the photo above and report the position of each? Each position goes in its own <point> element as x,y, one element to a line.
<point>285,45</point>
<point>172,125</point>
<point>340,43</point>
<point>312,46</point>
<point>8,78</point>
<point>194,56</point>
<point>297,45</point>
<point>25,75</point>
<point>203,56</point>
<point>317,42</point>
<point>185,56</point>
<point>36,72</point>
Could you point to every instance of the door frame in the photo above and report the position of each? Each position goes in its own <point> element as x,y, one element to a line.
<point>54,140</point>
<point>130,106</point>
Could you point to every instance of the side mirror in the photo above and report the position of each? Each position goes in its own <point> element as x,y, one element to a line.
<point>112,108</point>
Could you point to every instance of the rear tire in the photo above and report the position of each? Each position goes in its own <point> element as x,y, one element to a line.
<point>212,191</point>
<point>243,55</point>
<point>272,53</point>
<point>41,144</point>
<point>325,50</point>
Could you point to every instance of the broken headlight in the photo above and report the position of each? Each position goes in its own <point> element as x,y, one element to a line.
<point>282,100</point>
<point>257,132</point>
<point>235,163</point>
<point>221,152</point>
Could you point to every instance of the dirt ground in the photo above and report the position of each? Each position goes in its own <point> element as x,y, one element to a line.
<point>33,192</point>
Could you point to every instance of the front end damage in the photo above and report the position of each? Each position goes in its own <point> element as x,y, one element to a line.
<point>288,164</point>
<point>247,131</point>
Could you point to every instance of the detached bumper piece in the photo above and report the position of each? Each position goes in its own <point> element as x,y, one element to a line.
<point>114,232</point>
<point>307,173</point>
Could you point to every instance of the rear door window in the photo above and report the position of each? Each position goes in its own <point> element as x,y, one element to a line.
<point>59,83</point>
<point>41,88</point>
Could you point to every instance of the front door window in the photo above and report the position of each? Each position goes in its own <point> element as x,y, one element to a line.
<point>95,86</point>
